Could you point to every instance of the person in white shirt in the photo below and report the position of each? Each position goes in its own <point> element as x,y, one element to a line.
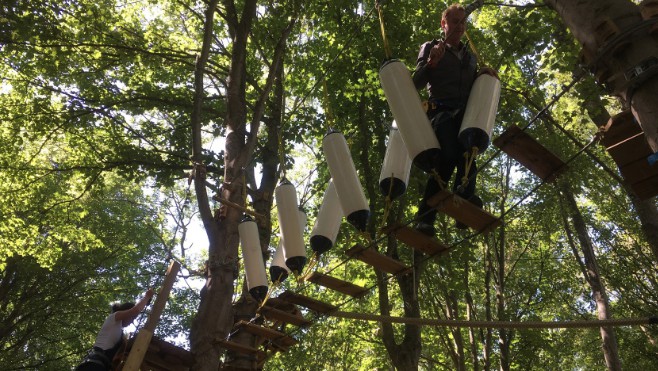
<point>110,337</point>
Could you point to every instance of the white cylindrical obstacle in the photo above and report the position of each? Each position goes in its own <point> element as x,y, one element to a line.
<point>480,113</point>
<point>407,109</point>
<point>350,193</point>
<point>252,257</point>
<point>278,269</point>
<point>293,246</point>
<point>327,223</point>
<point>394,176</point>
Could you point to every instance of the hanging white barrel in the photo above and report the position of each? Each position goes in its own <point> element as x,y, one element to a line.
<point>480,113</point>
<point>252,257</point>
<point>293,246</point>
<point>394,176</point>
<point>407,109</point>
<point>278,269</point>
<point>327,223</point>
<point>350,193</point>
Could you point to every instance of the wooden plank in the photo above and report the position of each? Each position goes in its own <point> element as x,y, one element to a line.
<point>414,239</point>
<point>638,171</point>
<point>268,333</point>
<point>619,128</point>
<point>646,188</point>
<point>237,348</point>
<point>632,149</point>
<point>279,315</point>
<point>306,302</point>
<point>464,211</point>
<point>376,259</point>
<point>337,284</point>
<point>535,157</point>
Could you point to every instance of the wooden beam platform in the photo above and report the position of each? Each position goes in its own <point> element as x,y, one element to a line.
<point>285,317</point>
<point>628,147</point>
<point>376,259</point>
<point>306,302</point>
<point>163,356</point>
<point>336,284</point>
<point>415,239</point>
<point>528,152</point>
<point>464,211</point>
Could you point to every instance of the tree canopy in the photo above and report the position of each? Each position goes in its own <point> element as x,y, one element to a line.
<point>110,116</point>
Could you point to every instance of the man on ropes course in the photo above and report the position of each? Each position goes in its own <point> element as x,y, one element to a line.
<point>448,70</point>
<point>110,337</point>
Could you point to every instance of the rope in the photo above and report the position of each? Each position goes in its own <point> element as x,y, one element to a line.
<point>387,201</point>
<point>312,263</point>
<point>498,324</point>
<point>471,44</point>
<point>469,158</point>
<point>327,104</point>
<point>387,48</point>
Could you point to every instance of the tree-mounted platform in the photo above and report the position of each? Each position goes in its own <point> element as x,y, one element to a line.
<point>529,153</point>
<point>163,356</point>
<point>414,239</point>
<point>336,284</point>
<point>625,141</point>
<point>274,314</point>
<point>306,302</point>
<point>464,211</point>
<point>278,340</point>
<point>376,259</point>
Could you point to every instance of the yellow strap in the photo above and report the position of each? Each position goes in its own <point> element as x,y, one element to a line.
<point>327,104</point>
<point>281,156</point>
<point>437,178</point>
<point>387,49</point>
<point>275,285</point>
<point>309,267</point>
<point>388,201</point>
<point>469,158</point>
<point>475,52</point>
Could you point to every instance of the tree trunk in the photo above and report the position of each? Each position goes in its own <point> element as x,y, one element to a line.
<point>452,313</point>
<point>590,270</point>
<point>215,315</point>
<point>406,354</point>
<point>504,337</point>
<point>470,315</point>
<point>596,24</point>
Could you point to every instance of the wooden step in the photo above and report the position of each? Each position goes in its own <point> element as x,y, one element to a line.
<point>619,128</point>
<point>376,259</point>
<point>285,317</point>
<point>464,211</point>
<point>336,284</point>
<point>282,340</point>
<point>238,348</point>
<point>415,239</point>
<point>628,147</point>
<point>535,157</point>
<point>306,302</point>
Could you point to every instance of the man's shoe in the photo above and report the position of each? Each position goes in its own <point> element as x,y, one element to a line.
<point>426,229</point>
<point>475,200</point>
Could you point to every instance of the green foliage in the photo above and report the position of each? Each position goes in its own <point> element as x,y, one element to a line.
<point>95,104</point>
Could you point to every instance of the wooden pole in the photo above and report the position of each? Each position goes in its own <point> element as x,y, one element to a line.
<point>145,334</point>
